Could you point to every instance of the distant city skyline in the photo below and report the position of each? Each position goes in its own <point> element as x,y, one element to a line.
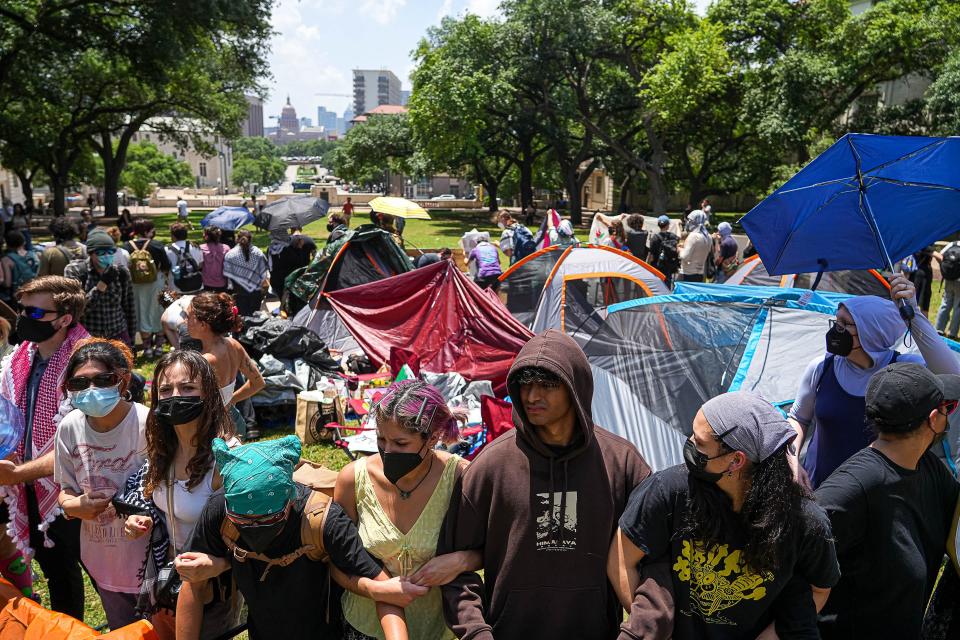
<point>320,42</point>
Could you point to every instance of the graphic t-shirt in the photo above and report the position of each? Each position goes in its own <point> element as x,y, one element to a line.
<point>488,259</point>
<point>717,596</point>
<point>88,461</point>
<point>890,526</point>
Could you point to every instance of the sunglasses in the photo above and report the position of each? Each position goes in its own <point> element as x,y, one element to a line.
<point>101,380</point>
<point>948,407</point>
<point>35,312</point>
<point>254,521</point>
<point>104,252</point>
<point>702,458</point>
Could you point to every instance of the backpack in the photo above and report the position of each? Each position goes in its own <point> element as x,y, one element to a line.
<point>143,270</point>
<point>523,242</point>
<point>186,273</point>
<point>669,259</point>
<point>24,268</point>
<point>950,266</point>
<point>311,536</point>
<point>637,244</point>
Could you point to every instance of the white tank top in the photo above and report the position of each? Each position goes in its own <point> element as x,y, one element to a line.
<point>226,392</point>
<point>187,504</point>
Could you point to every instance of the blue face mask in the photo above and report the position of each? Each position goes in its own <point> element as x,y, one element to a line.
<point>96,402</point>
<point>106,260</point>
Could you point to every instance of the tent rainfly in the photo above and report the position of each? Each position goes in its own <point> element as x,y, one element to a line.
<point>856,283</point>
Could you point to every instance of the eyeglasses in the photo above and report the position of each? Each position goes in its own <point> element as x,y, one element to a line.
<point>35,313</point>
<point>255,521</point>
<point>948,407</point>
<point>702,458</point>
<point>101,380</point>
<point>844,327</point>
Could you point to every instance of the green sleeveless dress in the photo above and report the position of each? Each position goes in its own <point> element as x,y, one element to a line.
<point>402,555</point>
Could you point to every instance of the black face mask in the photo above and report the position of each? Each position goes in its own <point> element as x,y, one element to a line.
<point>396,465</point>
<point>697,463</point>
<point>178,410</point>
<point>36,331</point>
<point>938,436</point>
<point>259,537</point>
<point>839,342</point>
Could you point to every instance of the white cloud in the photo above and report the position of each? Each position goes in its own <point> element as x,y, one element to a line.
<point>484,8</point>
<point>382,11</point>
<point>446,9</point>
<point>300,64</point>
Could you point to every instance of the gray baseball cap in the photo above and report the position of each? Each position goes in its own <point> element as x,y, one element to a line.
<point>745,422</point>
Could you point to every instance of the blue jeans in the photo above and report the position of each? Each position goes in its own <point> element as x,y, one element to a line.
<point>949,308</point>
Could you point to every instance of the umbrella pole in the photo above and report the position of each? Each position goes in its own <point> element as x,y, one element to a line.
<point>906,309</point>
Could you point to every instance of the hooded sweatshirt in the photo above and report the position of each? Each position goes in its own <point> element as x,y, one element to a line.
<point>543,517</point>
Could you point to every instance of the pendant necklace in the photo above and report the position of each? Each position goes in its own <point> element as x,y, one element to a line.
<point>404,495</point>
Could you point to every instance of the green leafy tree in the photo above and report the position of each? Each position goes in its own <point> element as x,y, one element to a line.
<point>378,147</point>
<point>146,164</point>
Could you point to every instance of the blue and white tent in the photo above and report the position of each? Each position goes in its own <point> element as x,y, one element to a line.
<point>656,360</point>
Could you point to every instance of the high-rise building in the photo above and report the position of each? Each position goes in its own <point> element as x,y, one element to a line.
<point>373,87</point>
<point>404,98</point>
<point>306,122</point>
<point>343,124</point>
<point>327,119</point>
<point>288,118</point>
<point>253,125</point>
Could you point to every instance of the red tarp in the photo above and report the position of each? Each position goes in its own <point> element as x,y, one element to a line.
<point>438,313</point>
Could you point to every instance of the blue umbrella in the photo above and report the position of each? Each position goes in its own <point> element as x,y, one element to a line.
<point>231,218</point>
<point>865,203</point>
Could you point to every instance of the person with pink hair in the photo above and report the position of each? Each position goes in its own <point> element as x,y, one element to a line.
<point>399,498</point>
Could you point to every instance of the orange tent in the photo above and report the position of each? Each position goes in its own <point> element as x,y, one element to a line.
<point>23,619</point>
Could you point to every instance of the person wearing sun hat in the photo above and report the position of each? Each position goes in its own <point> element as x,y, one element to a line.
<point>749,550</point>
<point>110,312</point>
<point>270,563</point>
<point>891,506</point>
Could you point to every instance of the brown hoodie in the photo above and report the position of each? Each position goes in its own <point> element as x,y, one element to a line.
<point>544,577</point>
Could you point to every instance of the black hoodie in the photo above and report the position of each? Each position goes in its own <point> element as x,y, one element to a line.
<point>544,577</point>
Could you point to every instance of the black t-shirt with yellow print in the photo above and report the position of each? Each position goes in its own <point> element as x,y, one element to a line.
<point>716,595</point>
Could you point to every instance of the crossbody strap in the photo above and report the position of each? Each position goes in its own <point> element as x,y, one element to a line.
<point>171,518</point>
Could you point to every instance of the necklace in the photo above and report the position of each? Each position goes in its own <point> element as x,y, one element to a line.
<point>404,495</point>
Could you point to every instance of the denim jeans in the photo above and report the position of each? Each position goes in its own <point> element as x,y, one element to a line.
<point>949,308</point>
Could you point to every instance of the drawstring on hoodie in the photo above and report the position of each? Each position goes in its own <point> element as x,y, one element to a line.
<point>553,522</point>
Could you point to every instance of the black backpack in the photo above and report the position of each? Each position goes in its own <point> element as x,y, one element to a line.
<point>187,274</point>
<point>669,259</point>
<point>950,267</point>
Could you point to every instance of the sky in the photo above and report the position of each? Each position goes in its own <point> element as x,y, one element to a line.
<point>320,42</point>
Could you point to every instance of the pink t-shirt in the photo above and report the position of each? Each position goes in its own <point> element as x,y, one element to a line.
<point>212,267</point>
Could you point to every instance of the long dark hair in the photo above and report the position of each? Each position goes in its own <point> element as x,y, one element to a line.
<point>771,516</point>
<point>243,239</point>
<point>214,422</point>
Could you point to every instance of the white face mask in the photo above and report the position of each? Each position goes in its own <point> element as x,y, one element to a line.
<point>501,225</point>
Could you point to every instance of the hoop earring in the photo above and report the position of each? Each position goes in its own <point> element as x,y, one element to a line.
<point>127,395</point>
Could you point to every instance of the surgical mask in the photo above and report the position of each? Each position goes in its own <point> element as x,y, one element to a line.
<point>258,537</point>
<point>396,464</point>
<point>501,225</point>
<point>96,402</point>
<point>178,410</point>
<point>106,260</point>
<point>697,463</point>
<point>34,330</point>
<point>839,342</point>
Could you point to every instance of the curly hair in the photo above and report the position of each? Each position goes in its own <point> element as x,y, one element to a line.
<point>113,355</point>
<point>63,229</point>
<point>772,512</point>
<point>218,311</point>
<point>214,422</point>
<point>419,407</point>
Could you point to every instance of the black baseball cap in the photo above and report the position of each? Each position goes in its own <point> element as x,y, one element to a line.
<point>904,393</point>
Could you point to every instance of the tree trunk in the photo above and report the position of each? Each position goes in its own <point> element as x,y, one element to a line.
<point>526,173</point>
<point>26,185</point>
<point>573,184</point>
<point>492,188</point>
<point>111,184</point>
<point>58,184</point>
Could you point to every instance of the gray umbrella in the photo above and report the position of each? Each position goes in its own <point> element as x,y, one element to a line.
<point>295,211</point>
